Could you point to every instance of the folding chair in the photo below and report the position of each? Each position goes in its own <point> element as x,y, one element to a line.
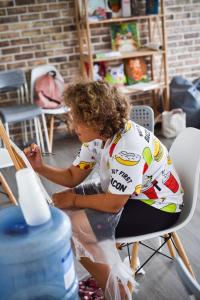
<point>36,73</point>
<point>185,153</point>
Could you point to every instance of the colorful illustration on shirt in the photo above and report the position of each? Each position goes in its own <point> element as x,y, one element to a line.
<point>170,181</point>
<point>158,150</point>
<point>169,161</point>
<point>128,158</point>
<point>169,208</point>
<point>147,157</point>
<point>150,191</point>
<point>138,189</point>
<point>114,143</point>
<point>128,126</point>
<point>84,165</point>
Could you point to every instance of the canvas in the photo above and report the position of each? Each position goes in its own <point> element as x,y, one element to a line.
<point>125,37</point>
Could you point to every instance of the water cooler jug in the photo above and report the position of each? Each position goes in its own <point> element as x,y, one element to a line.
<point>36,262</point>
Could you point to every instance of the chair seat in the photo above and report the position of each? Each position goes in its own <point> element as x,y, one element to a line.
<point>19,113</point>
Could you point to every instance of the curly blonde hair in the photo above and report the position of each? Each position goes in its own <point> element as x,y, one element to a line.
<point>98,105</point>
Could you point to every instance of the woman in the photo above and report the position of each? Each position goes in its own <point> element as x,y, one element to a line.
<point>139,190</point>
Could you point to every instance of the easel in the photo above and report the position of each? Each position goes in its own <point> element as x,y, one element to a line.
<point>16,159</point>
<point>20,161</point>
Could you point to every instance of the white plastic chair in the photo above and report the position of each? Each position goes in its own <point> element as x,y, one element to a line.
<point>190,283</point>
<point>35,73</point>
<point>185,154</point>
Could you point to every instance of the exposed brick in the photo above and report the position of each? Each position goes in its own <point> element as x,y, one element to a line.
<point>58,6</point>
<point>6,3</point>
<point>41,39</point>
<point>20,42</point>
<point>53,45</point>
<point>50,15</point>
<point>24,56</point>
<point>44,53</point>
<point>58,59</point>
<point>25,2</point>
<point>63,51</point>
<point>4,44</point>
<point>11,50</point>
<point>16,65</point>
<point>4,59</point>
<point>60,21</point>
<point>19,26</point>
<point>2,67</point>
<point>30,17</point>
<point>51,30</point>
<point>31,48</point>
<point>9,35</point>
<point>3,28</point>
<point>61,36</point>
<point>37,8</point>
<point>41,24</point>
<point>31,33</point>
<point>2,12</point>
<point>8,19</point>
<point>33,63</point>
<point>16,10</point>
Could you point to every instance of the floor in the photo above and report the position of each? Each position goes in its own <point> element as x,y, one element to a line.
<point>160,280</point>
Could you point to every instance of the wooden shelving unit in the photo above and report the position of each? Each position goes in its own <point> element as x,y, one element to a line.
<point>88,56</point>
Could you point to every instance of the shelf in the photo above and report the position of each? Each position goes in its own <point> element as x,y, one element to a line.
<point>130,90</point>
<point>142,52</point>
<point>120,20</point>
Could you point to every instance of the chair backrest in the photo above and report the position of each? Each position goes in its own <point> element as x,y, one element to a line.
<point>185,154</point>
<point>189,282</point>
<point>14,80</point>
<point>143,115</point>
<point>39,71</point>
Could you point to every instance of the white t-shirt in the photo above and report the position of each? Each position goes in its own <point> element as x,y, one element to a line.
<point>135,162</point>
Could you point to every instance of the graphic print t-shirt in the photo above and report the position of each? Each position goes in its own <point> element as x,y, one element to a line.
<point>135,162</point>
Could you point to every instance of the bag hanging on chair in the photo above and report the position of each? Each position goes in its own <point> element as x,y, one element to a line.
<point>185,94</point>
<point>48,91</point>
<point>173,122</point>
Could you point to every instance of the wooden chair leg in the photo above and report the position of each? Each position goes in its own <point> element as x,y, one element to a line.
<point>170,247</point>
<point>133,263</point>
<point>51,129</point>
<point>182,253</point>
<point>7,190</point>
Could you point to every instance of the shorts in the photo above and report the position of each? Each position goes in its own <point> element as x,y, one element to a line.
<point>136,218</point>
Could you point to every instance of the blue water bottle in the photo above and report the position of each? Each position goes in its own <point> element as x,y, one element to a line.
<point>36,262</point>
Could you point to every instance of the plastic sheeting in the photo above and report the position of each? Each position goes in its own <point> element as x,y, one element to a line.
<point>100,247</point>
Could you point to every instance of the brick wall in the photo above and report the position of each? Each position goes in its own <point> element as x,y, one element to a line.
<point>34,32</point>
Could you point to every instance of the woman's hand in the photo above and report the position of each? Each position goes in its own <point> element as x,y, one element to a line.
<point>34,156</point>
<point>64,199</point>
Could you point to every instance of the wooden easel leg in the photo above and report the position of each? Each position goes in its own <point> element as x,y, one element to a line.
<point>182,253</point>
<point>7,190</point>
